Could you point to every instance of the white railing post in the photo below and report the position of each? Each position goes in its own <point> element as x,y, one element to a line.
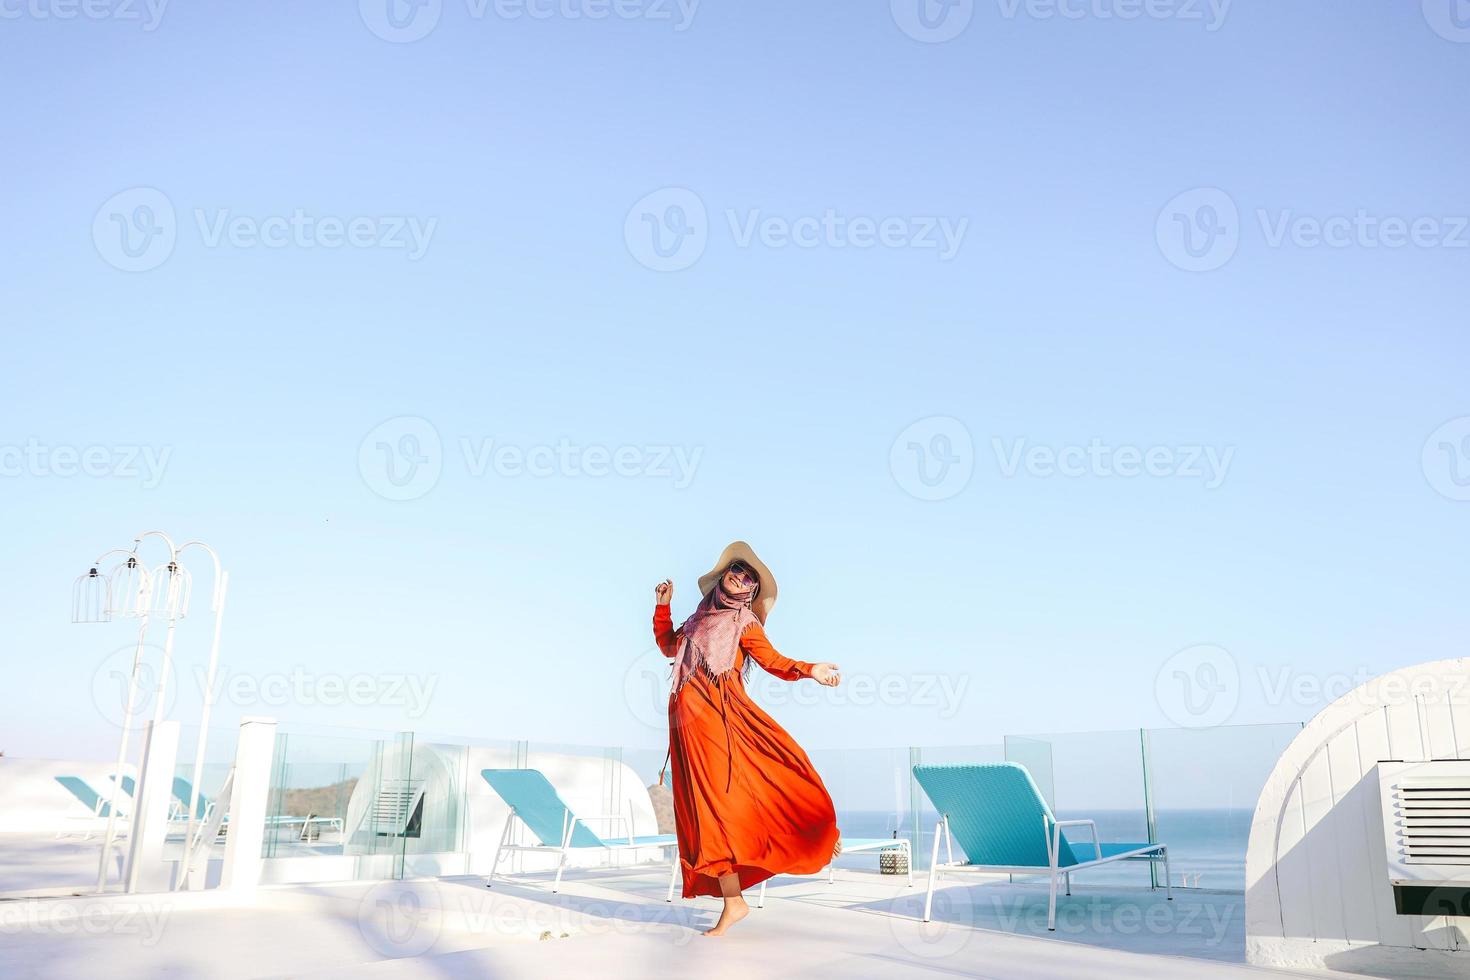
<point>145,869</point>
<point>249,800</point>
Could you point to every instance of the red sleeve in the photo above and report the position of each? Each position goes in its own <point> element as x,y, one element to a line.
<point>663,630</point>
<point>753,641</point>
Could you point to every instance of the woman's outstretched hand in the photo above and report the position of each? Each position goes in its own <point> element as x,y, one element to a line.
<point>827,674</point>
<point>663,592</point>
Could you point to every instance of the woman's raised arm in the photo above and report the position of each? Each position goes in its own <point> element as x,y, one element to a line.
<point>664,633</point>
<point>753,641</point>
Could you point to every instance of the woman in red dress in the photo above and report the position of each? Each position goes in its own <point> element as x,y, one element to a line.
<point>748,803</point>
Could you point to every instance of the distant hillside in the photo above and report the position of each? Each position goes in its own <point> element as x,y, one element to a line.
<point>321,801</point>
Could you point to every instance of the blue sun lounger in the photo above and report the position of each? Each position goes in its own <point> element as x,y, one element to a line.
<point>1004,826</point>
<point>534,802</point>
<point>86,795</point>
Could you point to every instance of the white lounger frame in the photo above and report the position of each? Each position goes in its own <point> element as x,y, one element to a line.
<point>1053,872</point>
<point>568,822</point>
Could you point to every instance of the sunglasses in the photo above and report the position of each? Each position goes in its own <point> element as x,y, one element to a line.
<point>744,575</point>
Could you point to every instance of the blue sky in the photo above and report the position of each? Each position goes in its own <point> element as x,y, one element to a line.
<point>366,253</point>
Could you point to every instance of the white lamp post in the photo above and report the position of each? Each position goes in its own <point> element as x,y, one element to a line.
<point>131,590</point>
<point>217,606</point>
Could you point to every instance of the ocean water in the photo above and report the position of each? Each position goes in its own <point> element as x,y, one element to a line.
<point>1206,847</point>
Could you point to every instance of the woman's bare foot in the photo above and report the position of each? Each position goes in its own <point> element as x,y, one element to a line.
<point>735,910</point>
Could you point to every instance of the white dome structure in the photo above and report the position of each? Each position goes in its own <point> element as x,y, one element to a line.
<point>1359,853</point>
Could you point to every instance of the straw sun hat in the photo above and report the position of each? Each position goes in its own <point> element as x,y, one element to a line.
<point>740,551</point>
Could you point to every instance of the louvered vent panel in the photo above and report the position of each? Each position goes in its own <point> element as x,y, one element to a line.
<point>1433,820</point>
<point>394,805</point>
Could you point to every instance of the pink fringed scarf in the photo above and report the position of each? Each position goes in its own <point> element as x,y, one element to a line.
<point>710,638</point>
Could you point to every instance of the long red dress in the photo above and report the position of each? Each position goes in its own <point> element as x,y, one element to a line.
<point>747,799</point>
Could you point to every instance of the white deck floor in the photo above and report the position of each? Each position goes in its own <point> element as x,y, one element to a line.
<point>616,923</point>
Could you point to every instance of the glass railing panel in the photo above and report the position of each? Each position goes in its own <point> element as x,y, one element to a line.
<point>871,792</point>
<point>1035,755</point>
<point>1204,784</point>
<point>1099,776</point>
<point>318,790</point>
